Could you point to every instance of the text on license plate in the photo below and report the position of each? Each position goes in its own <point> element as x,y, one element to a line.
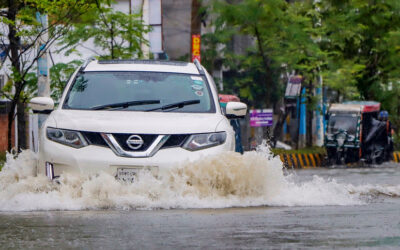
<point>127,174</point>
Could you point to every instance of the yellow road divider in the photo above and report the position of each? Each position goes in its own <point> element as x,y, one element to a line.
<point>396,156</point>
<point>302,160</point>
<point>313,160</point>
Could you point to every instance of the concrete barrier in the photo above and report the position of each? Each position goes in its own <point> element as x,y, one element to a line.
<point>303,160</point>
<point>396,156</point>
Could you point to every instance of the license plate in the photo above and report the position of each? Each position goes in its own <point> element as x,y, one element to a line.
<point>127,174</point>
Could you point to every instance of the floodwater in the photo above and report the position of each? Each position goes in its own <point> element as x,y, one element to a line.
<point>225,202</point>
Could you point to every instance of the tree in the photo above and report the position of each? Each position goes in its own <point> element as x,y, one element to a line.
<point>285,39</point>
<point>250,18</point>
<point>116,35</point>
<point>305,55</point>
<point>59,76</point>
<point>363,40</point>
<point>20,34</point>
<point>354,45</point>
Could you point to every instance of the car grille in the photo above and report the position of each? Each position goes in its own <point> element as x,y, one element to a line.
<point>96,139</point>
<point>147,141</point>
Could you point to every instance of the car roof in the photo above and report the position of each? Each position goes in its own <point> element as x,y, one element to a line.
<point>142,65</point>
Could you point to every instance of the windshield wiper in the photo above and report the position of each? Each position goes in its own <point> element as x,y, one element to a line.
<point>125,104</point>
<point>176,105</point>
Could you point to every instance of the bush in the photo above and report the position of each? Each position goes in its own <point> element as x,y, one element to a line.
<point>2,159</point>
<point>311,150</point>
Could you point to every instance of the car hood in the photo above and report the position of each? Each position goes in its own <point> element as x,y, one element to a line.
<point>136,122</point>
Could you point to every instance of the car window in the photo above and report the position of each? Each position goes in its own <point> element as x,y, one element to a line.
<point>342,122</point>
<point>91,89</point>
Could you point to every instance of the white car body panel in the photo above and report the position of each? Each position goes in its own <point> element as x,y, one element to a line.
<point>137,122</point>
<point>93,159</point>
<point>188,69</point>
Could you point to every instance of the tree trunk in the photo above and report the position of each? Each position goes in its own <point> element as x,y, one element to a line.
<point>268,79</point>
<point>21,118</point>
<point>279,124</point>
<point>9,126</point>
<point>16,66</point>
<point>112,40</point>
<point>309,141</point>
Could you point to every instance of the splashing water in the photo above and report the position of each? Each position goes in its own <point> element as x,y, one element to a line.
<point>227,180</point>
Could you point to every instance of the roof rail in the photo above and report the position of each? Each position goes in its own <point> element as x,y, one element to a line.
<point>198,66</point>
<point>87,61</point>
<point>138,61</point>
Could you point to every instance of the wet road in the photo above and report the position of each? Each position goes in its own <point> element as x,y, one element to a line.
<point>375,223</point>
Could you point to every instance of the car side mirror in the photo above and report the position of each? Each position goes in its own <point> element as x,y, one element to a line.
<point>42,105</point>
<point>236,110</point>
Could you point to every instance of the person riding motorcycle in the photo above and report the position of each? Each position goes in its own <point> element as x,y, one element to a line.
<point>384,117</point>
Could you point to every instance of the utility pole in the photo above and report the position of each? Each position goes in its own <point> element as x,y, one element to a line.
<point>302,120</point>
<point>320,114</point>
<point>145,18</point>
<point>43,66</point>
<point>43,81</point>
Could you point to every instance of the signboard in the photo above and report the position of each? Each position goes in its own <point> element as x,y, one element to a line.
<point>261,118</point>
<point>195,47</point>
<point>293,87</point>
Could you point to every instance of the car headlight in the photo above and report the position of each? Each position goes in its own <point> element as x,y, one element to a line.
<point>202,141</point>
<point>67,137</point>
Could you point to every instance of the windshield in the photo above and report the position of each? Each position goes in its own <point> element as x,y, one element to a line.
<point>144,91</point>
<point>342,122</point>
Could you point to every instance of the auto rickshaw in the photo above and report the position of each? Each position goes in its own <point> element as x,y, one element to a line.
<point>356,133</point>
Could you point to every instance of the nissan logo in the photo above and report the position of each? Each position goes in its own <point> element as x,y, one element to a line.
<point>134,142</point>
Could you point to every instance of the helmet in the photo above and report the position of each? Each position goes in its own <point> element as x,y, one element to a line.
<point>383,115</point>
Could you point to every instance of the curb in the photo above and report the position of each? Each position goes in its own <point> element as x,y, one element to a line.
<point>313,160</point>
<point>303,160</point>
<point>396,156</point>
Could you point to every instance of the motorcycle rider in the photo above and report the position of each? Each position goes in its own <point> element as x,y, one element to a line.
<point>384,117</point>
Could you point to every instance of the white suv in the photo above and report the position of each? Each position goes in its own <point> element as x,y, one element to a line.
<point>121,116</point>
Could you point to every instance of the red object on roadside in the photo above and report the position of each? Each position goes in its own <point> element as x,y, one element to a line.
<point>228,98</point>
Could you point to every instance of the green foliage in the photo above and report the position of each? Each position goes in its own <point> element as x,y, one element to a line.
<point>363,42</point>
<point>354,45</point>
<point>2,159</point>
<point>342,78</point>
<point>60,74</point>
<point>117,34</point>
<point>309,150</point>
<point>285,39</point>
<point>24,33</point>
<point>24,37</point>
<point>362,38</point>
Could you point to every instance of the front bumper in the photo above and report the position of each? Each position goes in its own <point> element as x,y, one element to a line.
<point>94,159</point>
